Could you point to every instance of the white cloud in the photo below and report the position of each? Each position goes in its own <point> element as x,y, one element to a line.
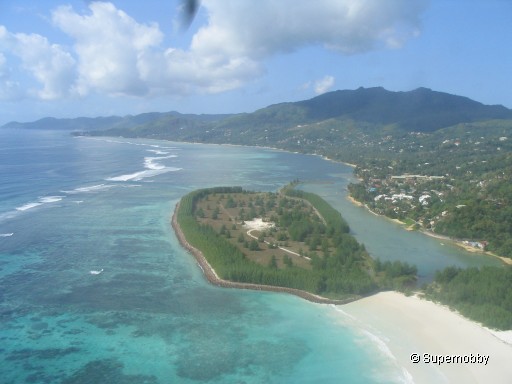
<point>113,54</point>
<point>110,46</point>
<point>324,84</point>
<point>49,64</point>
<point>266,27</point>
<point>117,55</point>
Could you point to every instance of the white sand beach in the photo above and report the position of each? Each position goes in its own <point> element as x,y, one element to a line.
<point>410,325</point>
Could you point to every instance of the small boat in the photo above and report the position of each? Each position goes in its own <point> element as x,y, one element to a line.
<point>96,272</point>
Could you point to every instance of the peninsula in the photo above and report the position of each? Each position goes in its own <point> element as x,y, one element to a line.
<point>291,241</point>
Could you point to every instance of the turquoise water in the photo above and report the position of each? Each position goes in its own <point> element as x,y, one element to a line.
<point>94,287</point>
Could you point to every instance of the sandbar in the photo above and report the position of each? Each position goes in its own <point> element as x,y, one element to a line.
<point>411,325</point>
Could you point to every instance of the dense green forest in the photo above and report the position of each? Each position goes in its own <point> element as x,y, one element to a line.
<point>343,267</point>
<point>484,295</point>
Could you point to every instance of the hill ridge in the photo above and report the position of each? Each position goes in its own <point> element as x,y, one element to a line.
<point>421,109</point>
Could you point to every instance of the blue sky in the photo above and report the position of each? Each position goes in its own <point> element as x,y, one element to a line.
<point>83,58</point>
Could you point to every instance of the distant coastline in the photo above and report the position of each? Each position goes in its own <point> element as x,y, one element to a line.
<point>214,279</point>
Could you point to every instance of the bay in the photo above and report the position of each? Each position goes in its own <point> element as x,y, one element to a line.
<point>94,286</point>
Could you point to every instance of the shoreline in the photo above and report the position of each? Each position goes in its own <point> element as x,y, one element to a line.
<point>214,279</point>
<point>468,248</point>
<point>459,243</point>
<point>405,325</point>
<point>505,260</point>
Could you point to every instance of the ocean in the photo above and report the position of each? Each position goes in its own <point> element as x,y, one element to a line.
<point>95,288</point>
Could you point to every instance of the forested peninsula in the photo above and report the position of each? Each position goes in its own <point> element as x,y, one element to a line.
<point>291,241</point>
<point>294,242</point>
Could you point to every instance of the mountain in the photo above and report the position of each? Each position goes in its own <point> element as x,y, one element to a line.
<point>421,110</point>
<point>418,110</point>
<point>369,110</point>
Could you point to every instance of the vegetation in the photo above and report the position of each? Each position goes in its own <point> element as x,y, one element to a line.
<point>484,295</point>
<point>454,182</point>
<point>305,244</point>
<point>387,134</point>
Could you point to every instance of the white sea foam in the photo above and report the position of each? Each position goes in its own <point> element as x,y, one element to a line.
<point>158,152</point>
<point>338,309</point>
<point>152,162</point>
<point>93,188</point>
<point>6,234</point>
<point>41,201</point>
<point>131,176</point>
<point>28,206</point>
<point>50,199</point>
<point>137,176</point>
<point>153,168</point>
<point>381,344</point>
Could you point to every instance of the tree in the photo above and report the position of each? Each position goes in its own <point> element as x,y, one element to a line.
<point>253,245</point>
<point>287,261</point>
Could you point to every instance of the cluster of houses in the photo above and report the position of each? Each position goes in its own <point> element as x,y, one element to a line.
<point>475,244</point>
<point>394,196</point>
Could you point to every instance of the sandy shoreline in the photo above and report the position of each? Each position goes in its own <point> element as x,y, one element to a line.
<point>214,279</point>
<point>410,325</point>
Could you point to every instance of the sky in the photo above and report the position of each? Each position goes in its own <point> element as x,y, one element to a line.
<point>96,58</point>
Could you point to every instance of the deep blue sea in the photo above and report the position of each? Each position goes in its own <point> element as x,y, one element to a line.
<point>95,288</point>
